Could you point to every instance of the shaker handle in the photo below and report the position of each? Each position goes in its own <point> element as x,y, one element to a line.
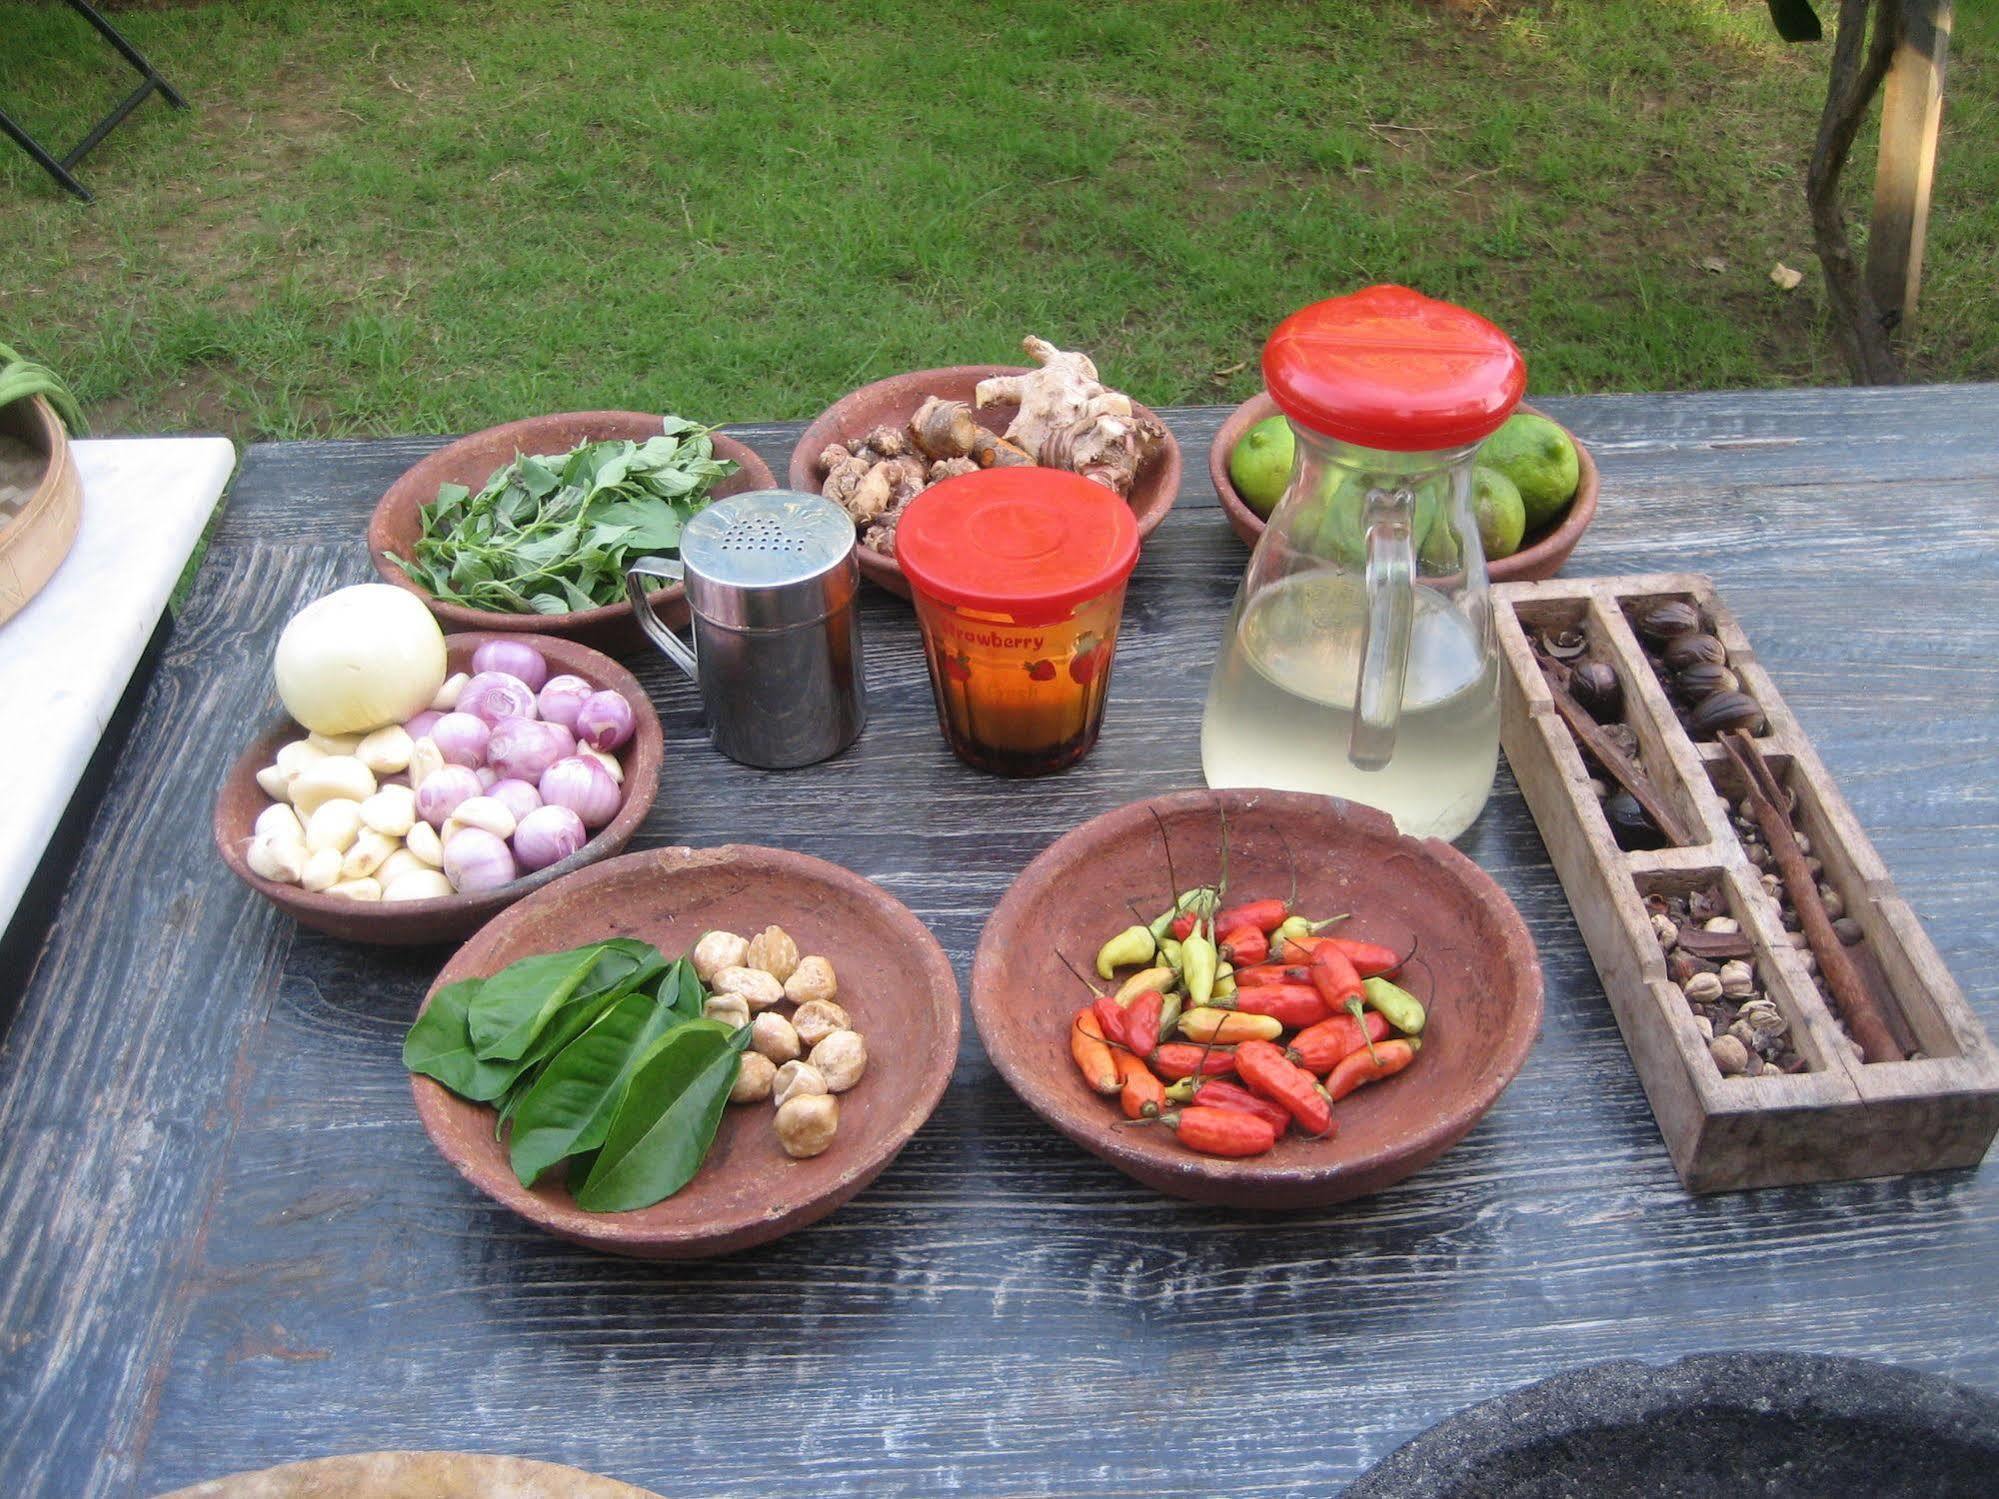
<point>1391,610</point>
<point>656,630</point>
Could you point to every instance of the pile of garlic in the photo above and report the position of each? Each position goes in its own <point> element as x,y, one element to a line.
<point>343,820</point>
<point>799,1062</point>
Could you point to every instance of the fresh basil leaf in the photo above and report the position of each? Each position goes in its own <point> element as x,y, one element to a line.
<point>570,1107</point>
<point>513,1005</point>
<point>439,1045</point>
<point>666,1121</point>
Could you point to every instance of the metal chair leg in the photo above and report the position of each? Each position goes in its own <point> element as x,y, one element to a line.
<point>42,158</point>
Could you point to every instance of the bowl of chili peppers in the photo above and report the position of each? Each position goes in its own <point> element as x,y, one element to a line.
<point>1262,999</point>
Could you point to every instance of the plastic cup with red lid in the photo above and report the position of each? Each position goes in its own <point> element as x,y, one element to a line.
<point>1018,576</point>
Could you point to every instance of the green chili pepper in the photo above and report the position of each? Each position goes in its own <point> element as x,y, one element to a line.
<point>1224,981</point>
<point>1398,1006</point>
<point>1198,959</point>
<point>1169,1014</point>
<point>1359,1013</point>
<point>1169,953</point>
<point>1164,924</point>
<point>1134,946</point>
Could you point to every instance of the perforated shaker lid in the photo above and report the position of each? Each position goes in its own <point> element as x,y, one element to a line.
<point>768,559</point>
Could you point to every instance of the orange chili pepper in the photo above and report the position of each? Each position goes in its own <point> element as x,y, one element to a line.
<point>1206,1023</point>
<point>1322,1047</point>
<point>1221,1131</point>
<point>1369,959</point>
<point>1243,944</point>
<point>1387,1059</point>
<point>1272,1075</point>
<point>1333,976</point>
<point>1262,975</point>
<point>1293,1005</point>
<point>1142,1095</point>
<point>1177,1059</point>
<point>1093,1057</point>
<point>1264,915</point>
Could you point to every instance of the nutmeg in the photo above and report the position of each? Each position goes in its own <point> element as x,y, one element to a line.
<point>1595,687</point>
<point>1703,679</point>
<point>1683,651</point>
<point>1726,711</point>
<point>1669,620</point>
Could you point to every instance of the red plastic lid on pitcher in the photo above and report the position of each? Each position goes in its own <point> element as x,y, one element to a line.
<point>1390,368</point>
<point>1032,543</point>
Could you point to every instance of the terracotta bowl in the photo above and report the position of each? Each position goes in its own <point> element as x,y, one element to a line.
<point>414,1475</point>
<point>893,401</point>
<point>471,461</point>
<point>449,917</point>
<point>1541,556</point>
<point>1478,974</point>
<point>36,538</point>
<point>893,979</point>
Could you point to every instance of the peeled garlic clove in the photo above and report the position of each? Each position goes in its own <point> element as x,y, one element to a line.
<point>385,751</point>
<point>391,811</point>
<point>366,854</point>
<point>609,762</point>
<point>333,825</point>
<point>362,889</point>
<point>488,813</point>
<point>425,844</point>
<point>334,778</point>
<point>448,690</point>
<point>321,870</point>
<point>272,859</point>
<point>426,759</point>
<point>279,822</point>
<point>417,884</point>
<point>398,864</point>
<point>294,757</point>
<point>275,783</point>
<point>334,744</point>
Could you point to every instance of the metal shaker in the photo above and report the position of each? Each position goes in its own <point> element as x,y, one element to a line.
<point>772,587</point>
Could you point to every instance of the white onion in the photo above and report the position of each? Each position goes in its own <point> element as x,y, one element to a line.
<point>358,659</point>
<point>548,835</point>
<point>584,787</point>
<point>439,795</point>
<point>475,860</point>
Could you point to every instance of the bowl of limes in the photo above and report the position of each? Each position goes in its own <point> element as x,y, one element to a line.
<point>1534,486</point>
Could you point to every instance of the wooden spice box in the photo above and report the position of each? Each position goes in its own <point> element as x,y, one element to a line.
<point>1839,1117</point>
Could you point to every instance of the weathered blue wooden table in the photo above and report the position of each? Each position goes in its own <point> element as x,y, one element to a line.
<point>225,1242</point>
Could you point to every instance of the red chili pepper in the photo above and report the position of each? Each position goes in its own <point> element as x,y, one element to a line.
<point>1299,949</point>
<point>1184,924</point>
<point>1270,1074</point>
<point>1221,1131</point>
<point>1219,1093</point>
<point>1142,1094</point>
<point>1262,974</point>
<point>1322,1047</point>
<point>1243,944</point>
<point>1265,915</point>
<point>1369,959</point>
<point>1333,976</point>
<point>1388,1059</point>
<point>1296,1005</point>
<point>1110,1019</point>
<point>1177,1059</point>
<point>1142,1019</point>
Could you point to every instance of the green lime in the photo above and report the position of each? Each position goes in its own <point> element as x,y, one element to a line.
<point>1540,460</point>
<point>1260,464</point>
<point>1342,525</point>
<point>1502,514</point>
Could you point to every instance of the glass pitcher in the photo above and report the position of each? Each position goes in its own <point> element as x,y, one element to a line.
<point>1359,658</point>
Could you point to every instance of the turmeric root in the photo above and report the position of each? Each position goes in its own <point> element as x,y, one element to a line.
<point>989,451</point>
<point>1070,419</point>
<point>944,429</point>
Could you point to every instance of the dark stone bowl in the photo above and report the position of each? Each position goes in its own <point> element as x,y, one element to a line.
<point>1770,1425</point>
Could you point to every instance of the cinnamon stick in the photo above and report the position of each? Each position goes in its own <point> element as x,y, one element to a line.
<point>1769,806</point>
<point>1616,764</point>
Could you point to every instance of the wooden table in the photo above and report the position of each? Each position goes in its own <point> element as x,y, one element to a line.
<point>225,1242</point>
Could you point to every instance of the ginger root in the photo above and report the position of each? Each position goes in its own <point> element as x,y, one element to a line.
<point>1070,419</point>
<point>944,429</point>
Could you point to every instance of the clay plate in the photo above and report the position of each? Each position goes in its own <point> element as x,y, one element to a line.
<point>1482,984</point>
<point>1541,557</point>
<point>892,402</point>
<point>449,917</point>
<point>414,1475</point>
<point>36,538</point>
<point>893,979</point>
<point>471,461</point>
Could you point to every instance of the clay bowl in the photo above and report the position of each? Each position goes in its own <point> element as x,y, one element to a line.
<point>1541,555</point>
<point>1482,984</point>
<point>414,1475</point>
<point>449,917</point>
<point>893,978</point>
<point>471,461</point>
<point>892,402</point>
<point>36,538</point>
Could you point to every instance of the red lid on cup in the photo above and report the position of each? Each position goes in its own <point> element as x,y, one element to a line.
<point>1390,368</point>
<point>1032,543</point>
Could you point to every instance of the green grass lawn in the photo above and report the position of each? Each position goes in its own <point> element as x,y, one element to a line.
<point>410,215</point>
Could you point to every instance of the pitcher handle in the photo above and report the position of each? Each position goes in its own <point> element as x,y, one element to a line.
<point>656,630</point>
<point>1391,611</point>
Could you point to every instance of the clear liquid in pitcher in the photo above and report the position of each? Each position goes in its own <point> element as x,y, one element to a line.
<point>1281,706</point>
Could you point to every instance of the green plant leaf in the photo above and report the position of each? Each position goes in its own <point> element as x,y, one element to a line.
<point>439,1045</point>
<point>666,1121</point>
<point>570,1106</point>
<point>512,1006</point>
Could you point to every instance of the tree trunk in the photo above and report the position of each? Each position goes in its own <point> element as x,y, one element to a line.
<point>1859,62</point>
